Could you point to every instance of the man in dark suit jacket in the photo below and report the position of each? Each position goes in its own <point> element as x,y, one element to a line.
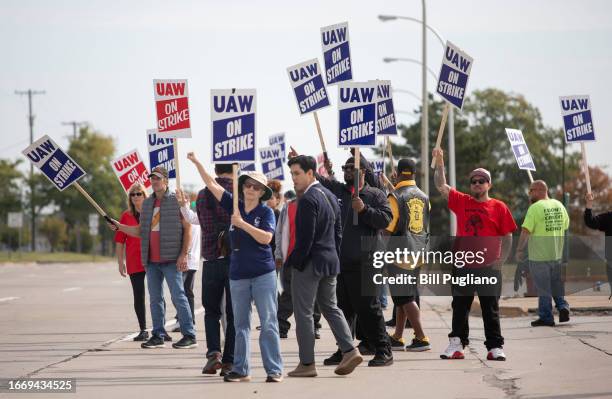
<point>315,264</point>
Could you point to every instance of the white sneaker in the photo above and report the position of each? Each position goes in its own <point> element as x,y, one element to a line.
<point>496,354</point>
<point>454,349</point>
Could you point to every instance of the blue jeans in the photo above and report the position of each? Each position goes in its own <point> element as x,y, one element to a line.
<point>215,284</point>
<point>156,273</point>
<point>262,290</point>
<point>549,285</point>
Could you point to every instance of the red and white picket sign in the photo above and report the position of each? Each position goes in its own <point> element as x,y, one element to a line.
<point>131,169</point>
<point>321,165</point>
<point>172,108</point>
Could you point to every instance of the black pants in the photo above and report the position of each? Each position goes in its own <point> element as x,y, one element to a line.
<point>285,304</point>
<point>188,280</point>
<point>215,284</point>
<point>138,288</point>
<point>366,309</point>
<point>489,305</point>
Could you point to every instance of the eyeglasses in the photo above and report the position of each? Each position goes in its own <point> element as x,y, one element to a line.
<point>254,186</point>
<point>138,194</point>
<point>481,181</point>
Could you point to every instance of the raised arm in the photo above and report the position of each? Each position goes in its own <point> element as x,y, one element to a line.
<point>215,188</point>
<point>439,178</point>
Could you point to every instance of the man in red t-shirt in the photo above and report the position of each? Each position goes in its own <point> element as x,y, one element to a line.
<point>484,227</point>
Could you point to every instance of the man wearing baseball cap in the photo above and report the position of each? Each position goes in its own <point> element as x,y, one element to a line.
<point>165,238</point>
<point>484,227</point>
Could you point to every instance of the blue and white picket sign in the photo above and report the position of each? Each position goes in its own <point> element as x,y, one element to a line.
<point>454,74</point>
<point>336,53</point>
<point>357,114</point>
<point>233,125</point>
<point>271,162</point>
<point>378,166</point>
<point>278,139</point>
<point>161,152</point>
<point>385,115</point>
<point>520,149</point>
<point>307,84</point>
<point>577,119</point>
<point>247,166</point>
<point>53,162</point>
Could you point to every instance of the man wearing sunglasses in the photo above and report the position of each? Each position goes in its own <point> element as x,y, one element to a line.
<point>485,226</point>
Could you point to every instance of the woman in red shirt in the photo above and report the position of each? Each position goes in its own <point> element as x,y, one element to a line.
<point>128,254</point>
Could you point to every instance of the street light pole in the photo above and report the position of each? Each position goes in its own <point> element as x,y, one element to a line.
<point>424,111</point>
<point>31,93</point>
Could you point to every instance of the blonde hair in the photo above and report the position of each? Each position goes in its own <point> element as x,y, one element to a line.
<point>135,187</point>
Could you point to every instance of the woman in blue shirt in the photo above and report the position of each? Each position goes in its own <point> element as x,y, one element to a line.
<point>252,271</point>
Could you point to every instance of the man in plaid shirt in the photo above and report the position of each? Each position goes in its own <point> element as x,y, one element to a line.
<point>215,222</point>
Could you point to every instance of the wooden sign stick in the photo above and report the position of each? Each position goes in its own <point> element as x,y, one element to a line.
<point>585,165</point>
<point>316,118</point>
<point>441,130</point>
<point>176,163</point>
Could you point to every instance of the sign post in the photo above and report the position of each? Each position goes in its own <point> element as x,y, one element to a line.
<point>172,110</point>
<point>310,93</point>
<point>578,126</point>
<point>452,84</point>
<point>521,151</point>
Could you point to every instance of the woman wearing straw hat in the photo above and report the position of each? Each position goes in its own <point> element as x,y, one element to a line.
<point>252,271</point>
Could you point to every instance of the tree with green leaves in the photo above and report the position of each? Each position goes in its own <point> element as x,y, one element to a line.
<point>480,141</point>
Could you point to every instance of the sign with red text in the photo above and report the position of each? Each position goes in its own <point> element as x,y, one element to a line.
<point>172,108</point>
<point>130,169</point>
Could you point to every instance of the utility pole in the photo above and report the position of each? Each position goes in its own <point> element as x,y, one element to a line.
<point>424,113</point>
<point>74,125</point>
<point>31,93</point>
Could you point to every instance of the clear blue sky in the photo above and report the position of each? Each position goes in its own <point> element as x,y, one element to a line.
<point>97,59</point>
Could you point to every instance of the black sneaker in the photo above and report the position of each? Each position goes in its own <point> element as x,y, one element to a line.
<point>334,359</point>
<point>212,364</point>
<point>142,336</point>
<point>563,315</point>
<point>317,333</point>
<point>542,323</point>
<point>381,359</point>
<point>235,377</point>
<point>283,334</point>
<point>274,378</point>
<point>185,343</point>
<point>397,344</point>
<point>226,368</point>
<point>153,342</point>
<point>365,349</point>
<point>167,338</point>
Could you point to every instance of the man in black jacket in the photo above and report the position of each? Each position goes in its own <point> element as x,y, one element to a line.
<point>601,222</point>
<point>374,214</point>
<point>314,263</point>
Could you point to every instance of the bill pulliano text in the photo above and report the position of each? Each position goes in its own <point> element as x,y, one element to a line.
<point>434,279</point>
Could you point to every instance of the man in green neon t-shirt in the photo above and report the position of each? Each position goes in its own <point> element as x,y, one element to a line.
<point>544,229</point>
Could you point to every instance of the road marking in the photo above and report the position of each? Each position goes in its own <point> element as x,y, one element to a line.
<point>72,289</point>
<point>8,298</point>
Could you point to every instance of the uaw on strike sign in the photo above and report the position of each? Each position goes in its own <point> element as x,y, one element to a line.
<point>385,115</point>
<point>161,152</point>
<point>336,53</point>
<point>357,114</point>
<point>47,156</point>
<point>233,125</point>
<point>454,74</point>
<point>520,149</point>
<point>577,119</point>
<point>130,169</point>
<point>172,108</point>
<point>308,86</point>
